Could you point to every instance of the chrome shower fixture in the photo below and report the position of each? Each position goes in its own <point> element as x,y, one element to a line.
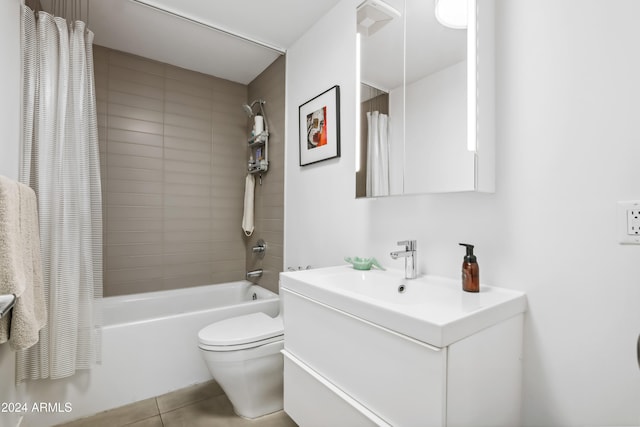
<point>248,108</point>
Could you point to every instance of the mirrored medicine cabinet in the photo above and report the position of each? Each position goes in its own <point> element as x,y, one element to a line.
<point>426,98</point>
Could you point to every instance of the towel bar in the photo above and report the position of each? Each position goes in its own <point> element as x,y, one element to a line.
<point>6,303</point>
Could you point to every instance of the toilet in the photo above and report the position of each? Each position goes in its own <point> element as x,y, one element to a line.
<point>243,356</point>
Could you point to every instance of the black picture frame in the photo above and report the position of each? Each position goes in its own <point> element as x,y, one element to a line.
<point>319,127</point>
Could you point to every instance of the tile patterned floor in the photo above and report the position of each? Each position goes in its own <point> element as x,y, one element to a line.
<point>195,406</point>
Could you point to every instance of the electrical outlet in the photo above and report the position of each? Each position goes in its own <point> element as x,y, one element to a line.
<point>629,222</point>
<point>633,222</point>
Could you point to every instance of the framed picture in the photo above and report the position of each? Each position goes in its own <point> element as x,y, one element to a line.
<point>320,127</point>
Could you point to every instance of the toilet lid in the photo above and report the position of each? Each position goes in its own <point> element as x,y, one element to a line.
<point>241,330</point>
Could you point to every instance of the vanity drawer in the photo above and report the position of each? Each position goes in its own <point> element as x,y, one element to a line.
<point>402,378</point>
<point>311,400</point>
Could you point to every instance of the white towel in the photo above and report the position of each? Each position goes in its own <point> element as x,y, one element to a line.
<point>20,267</point>
<point>247,217</point>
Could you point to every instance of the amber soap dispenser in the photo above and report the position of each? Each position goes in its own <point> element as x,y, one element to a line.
<point>470,271</point>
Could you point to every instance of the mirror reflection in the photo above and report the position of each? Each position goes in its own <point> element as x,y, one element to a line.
<point>413,101</point>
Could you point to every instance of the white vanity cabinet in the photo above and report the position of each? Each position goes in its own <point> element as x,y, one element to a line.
<point>345,369</point>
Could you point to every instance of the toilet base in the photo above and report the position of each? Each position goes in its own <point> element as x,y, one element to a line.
<point>252,379</point>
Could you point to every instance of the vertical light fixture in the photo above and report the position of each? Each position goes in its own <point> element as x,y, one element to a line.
<point>358,102</point>
<point>460,15</point>
<point>472,77</point>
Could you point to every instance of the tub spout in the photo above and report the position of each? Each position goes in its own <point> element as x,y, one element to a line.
<point>254,273</point>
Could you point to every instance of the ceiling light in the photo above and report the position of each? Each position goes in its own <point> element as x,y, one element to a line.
<point>452,13</point>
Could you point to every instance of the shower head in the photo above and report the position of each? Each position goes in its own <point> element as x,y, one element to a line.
<point>248,108</point>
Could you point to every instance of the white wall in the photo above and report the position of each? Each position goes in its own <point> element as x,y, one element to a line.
<point>9,159</point>
<point>9,87</point>
<point>568,84</point>
<point>320,205</point>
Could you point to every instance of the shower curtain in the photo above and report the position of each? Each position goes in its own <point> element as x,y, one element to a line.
<point>60,161</point>
<point>377,154</point>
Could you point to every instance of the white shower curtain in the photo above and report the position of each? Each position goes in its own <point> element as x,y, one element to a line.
<point>60,161</point>
<point>377,154</point>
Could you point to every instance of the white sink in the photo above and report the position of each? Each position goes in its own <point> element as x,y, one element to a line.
<point>430,309</point>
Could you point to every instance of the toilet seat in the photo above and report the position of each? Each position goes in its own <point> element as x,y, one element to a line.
<point>242,332</point>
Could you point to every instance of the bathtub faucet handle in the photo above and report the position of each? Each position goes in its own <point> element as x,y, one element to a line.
<point>260,247</point>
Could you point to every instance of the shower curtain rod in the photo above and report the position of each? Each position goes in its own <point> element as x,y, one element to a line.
<point>150,5</point>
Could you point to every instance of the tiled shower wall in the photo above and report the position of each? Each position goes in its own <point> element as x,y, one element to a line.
<point>173,148</point>
<point>269,197</point>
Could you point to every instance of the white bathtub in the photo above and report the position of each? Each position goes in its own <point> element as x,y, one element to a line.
<point>150,345</point>
<point>210,300</point>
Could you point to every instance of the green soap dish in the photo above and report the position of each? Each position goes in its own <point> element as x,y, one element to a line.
<point>363,263</point>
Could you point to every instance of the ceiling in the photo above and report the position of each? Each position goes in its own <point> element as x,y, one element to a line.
<point>136,28</point>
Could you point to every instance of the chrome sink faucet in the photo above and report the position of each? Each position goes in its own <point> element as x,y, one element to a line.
<point>409,255</point>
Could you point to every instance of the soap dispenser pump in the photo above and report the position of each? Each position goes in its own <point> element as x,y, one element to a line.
<point>470,271</point>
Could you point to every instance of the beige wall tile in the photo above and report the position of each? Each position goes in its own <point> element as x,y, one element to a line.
<point>128,149</point>
<point>122,135</point>
<point>123,173</point>
<point>174,163</point>
<point>201,147</point>
<point>127,186</point>
<point>134,62</point>
<point>133,100</point>
<point>188,100</point>
<point>187,167</point>
<point>136,212</point>
<point>124,262</point>
<point>185,270</point>
<point>186,236</point>
<point>187,247</point>
<point>134,125</point>
<point>186,178</point>
<point>184,155</point>
<point>187,190</point>
<point>186,212</point>
<point>137,237</point>
<point>135,88</point>
<point>133,199</point>
<point>189,76</point>
<point>134,274</point>
<point>183,120</point>
<point>132,224</point>
<point>187,88</point>
<point>140,78</point>
<point>188,110</point>
<point>187,258</point>
<point>134,112</point>
<point>133,250</point>
<point>187,133</point>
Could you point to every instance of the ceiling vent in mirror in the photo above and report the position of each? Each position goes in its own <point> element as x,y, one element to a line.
<point>373,15</point>
<point>452,13</point>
